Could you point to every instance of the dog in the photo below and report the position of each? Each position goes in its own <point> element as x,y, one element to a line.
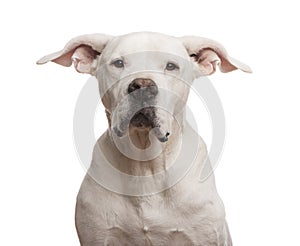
<point>132,193</point>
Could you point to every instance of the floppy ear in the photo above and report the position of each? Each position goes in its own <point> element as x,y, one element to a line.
<point>81,51</point>
<point>208,54</point>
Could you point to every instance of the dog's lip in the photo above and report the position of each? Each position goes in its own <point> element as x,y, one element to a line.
<point>118,132</point>
<point>160,134</point>
<point>143,119</point>
<point>162,137</point>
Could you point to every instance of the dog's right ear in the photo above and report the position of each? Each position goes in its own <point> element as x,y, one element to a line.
<point>82,51</point>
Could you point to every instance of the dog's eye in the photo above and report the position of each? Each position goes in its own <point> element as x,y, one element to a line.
<point>118,63</point>
<point>171,66</point>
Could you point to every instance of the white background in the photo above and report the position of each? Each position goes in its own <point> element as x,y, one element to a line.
<point>258,177</point>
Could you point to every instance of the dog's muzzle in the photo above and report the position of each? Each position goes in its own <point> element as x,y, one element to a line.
<point>142,94</point>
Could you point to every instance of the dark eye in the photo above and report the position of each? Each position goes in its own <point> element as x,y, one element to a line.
<point>171,66</point>
<point>118,63</point>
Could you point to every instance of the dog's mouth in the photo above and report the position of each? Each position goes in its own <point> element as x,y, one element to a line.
<point>145,118</point>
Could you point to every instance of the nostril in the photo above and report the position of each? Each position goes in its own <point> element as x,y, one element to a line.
<point>133,86</point>
<point>147,85</point>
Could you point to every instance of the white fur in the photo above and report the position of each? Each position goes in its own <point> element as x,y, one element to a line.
<point>188,213</point>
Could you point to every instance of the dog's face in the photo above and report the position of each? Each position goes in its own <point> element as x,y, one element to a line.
<point>144,81</point>
<point>144,78</point>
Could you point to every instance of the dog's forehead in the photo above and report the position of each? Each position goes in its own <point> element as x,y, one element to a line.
<point>144,42</point>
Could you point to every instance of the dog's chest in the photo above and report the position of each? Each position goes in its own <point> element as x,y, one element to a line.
<point>154,221</point>
<point>166,223</point>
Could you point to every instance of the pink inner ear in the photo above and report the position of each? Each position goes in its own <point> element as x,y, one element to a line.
<point>226,66</point>
<point>83,58</point>
<point>65,60</point>
<point>84,54</point>
<point>208,61</point>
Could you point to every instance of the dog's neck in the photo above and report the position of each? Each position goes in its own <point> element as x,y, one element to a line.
<point>118,172</point>
<point>141,139</point>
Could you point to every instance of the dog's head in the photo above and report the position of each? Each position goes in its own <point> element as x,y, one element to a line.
<point>144,78</point>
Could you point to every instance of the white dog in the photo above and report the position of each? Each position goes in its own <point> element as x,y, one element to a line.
<point>143,186</point>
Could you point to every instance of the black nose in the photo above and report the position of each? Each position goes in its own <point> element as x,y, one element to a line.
<point>146,88</point>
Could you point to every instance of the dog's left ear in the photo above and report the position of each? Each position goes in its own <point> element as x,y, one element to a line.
<point>208,54</point>
<point>82,51</point>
